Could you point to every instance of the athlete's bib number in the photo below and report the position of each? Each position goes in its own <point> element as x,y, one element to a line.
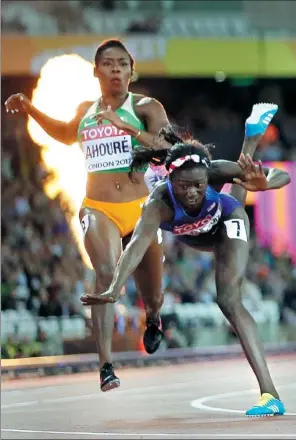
<point>235,228</point>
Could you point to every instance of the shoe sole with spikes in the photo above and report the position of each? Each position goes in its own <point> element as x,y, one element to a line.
<point>114,383</point>
<point>260,118</point>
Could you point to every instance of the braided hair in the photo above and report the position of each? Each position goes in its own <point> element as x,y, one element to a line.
<point>182,146</point>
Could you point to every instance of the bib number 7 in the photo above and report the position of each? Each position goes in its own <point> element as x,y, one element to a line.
<point>236,228</point>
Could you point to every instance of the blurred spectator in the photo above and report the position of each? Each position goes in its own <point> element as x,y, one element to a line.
<point>275,144</point>
<point>107,5</point>
<point>288,303</point>
<point>174,338</point>
<point>40,260</point>
<point>149,26</point>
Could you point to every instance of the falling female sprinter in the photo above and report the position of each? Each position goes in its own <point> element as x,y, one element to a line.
<point>185,204</point>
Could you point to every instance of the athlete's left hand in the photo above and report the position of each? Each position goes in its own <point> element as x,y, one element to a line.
<point>110,116</point>
<point>254,177</point>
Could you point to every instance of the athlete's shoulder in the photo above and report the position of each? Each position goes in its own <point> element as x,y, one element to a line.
<point>158,193</point>
<point>160,189</point>
<point>158,201</point>
<point>152,112</point>
<point>83,107</point>
<point>142,100</point>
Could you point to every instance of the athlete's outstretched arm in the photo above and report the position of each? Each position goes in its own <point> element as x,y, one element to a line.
<point>64,132</point>
<point>144,232</point>
<point>247,174</point>
<point>259,178</point>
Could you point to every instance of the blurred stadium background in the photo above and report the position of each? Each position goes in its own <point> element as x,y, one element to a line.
<point>208,62</point>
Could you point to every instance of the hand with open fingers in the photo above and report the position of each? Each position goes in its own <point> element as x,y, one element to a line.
<point>18,103</point>
<point>110,116</point>
<point>254,177</point>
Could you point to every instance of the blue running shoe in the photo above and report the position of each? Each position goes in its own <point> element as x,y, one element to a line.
<point>260,118</point>
<point>267,406</point>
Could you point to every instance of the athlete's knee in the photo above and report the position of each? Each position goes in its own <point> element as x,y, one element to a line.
<point>229,277</point>
<point>229,297</point>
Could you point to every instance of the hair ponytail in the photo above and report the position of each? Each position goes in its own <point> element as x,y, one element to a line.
<point>170,135</point>
<point>141,157</point>
<point>182,144</point>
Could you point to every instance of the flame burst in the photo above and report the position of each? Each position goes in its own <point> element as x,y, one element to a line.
<point>65,81</point>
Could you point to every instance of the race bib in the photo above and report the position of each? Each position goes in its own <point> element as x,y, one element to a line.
<point>236,228</point>
<point>85,223</point>
<point>106,148</point>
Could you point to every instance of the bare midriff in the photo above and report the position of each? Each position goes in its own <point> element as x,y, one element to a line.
<point>115,187</point>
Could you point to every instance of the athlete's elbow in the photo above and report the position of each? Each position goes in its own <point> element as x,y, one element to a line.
<point>68,139</point>
<point>288,178</point>
<point>64,137</point>
<point>69,135</point>
<point>285,177</point>
<point>278,179</point>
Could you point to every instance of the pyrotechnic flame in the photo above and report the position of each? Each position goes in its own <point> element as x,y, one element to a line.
<point>65,82</point>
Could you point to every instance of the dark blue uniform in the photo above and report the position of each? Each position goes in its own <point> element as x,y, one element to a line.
<point>200,230</point>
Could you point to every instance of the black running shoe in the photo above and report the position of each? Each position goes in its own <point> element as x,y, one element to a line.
<point>108,378</point>
<point>153,335</point>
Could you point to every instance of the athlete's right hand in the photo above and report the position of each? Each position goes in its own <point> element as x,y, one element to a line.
<point>254,177</point>
<point>18,103</point>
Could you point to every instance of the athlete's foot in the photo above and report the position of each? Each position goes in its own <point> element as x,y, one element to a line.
<point>108,378</point>
<point>260,118</point>
<point>267,406</point>
<point>153,335</point>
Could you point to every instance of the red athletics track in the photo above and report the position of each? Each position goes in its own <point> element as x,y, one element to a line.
<point>185,401</point>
